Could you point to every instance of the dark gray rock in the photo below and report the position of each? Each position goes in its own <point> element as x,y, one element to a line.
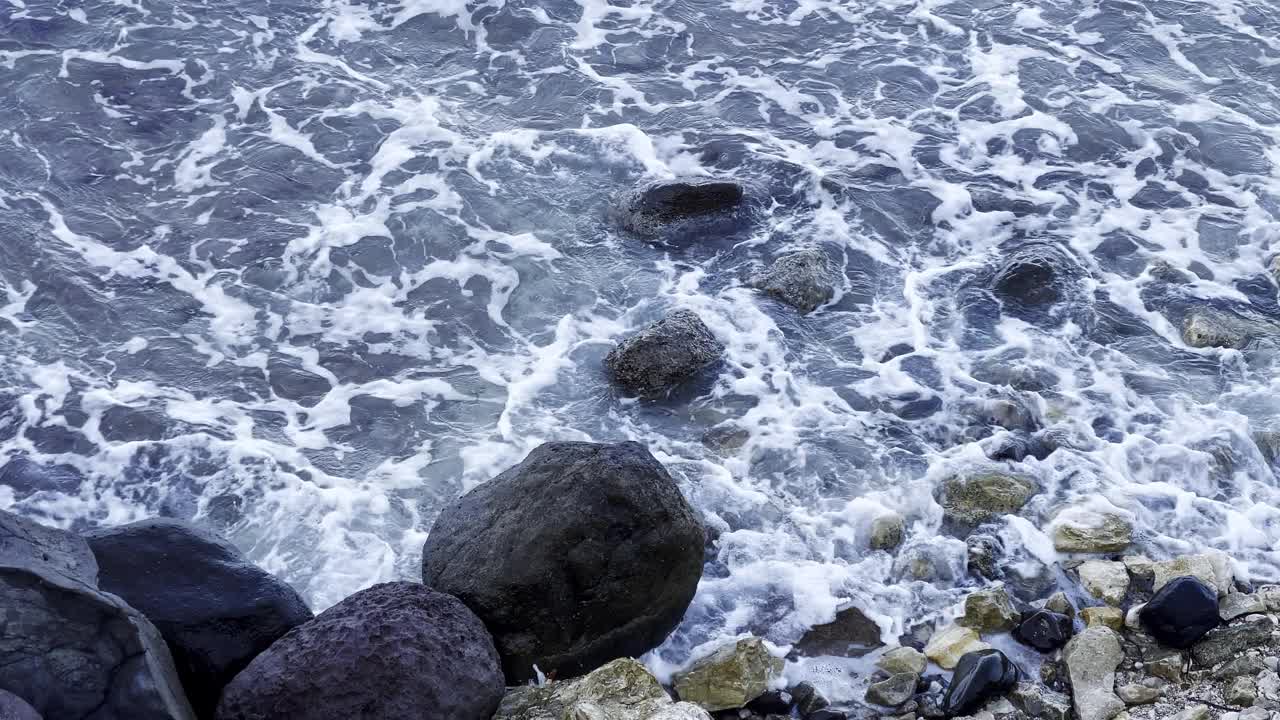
<point>13,707</point>
<point>581,554</point>
<point>984,555</point>
<point>215,609</point>
<point>69,650</point>
<point>894,691</point>
<point>664,354</point>
<point>850,634</point>
<point>803,279</point>
<point>1225,643</point>
<point>1035,277</point>
<point>652,207</point>
<point>396,650</point>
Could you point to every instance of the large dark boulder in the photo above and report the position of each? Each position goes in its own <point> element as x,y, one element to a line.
<point>664,354</point>
<point>394,651</point>
<point>68,649</point>
<point>579,555</point>
<point>216,610</point>
<point>652,208</point>
<point>1181,613</point>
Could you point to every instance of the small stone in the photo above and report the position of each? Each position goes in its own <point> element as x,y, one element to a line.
<point>730,677</point>
<point>1224,643</point>
<point>894,691</point>
<point>1039,701</point>
<point>807,698</point>
<point>1169,667</point>
<point>1086,530</point>
<point>1132,618</point>
<point>1235,605</point>
<point>887,531</point>
<point>1044,630</point>
<point>1092,658</point>
<point>972,500</point>
<point>1061,604</point>
<point>1199,712</point>
<point>1211,568</point>
<point>979,676</point>
<point>1242,691</point>
<point>803,279</point>
<point>989,610</point>
<point>1137,694</point>
<point>949,644</point>
<point>984,553</point>
<point>1103,616</point>
<point>1106,580</point>
<point>1249,664</point>
<point>1181,612</point>
<point>903,660</point>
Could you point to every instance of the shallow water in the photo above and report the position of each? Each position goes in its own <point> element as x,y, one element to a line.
<point>306,270</point>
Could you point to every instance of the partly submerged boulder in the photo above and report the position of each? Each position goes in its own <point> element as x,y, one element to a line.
<point>1082,529</point>
<point>620,690</point>
<point>396,650</point>
<point>652,208</point>
<point>1205,327</point>
<point>579,555</point>
<point>803,279</point>
<point>664,354</point>
<point>730,677</point>
<point>68,649</point>
<point>215,609</point>
<point>850,634</point>
<point>969,500</point>
<point>1035,277</point>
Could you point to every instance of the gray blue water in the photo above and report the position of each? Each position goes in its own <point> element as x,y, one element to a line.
<point>305,270</point>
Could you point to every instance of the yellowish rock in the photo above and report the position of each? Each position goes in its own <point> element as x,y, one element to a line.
<point>949,644</point>
<point>730,677</point>
<point>1108,617</point>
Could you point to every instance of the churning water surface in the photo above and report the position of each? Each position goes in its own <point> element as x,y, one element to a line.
<point>306,270</point>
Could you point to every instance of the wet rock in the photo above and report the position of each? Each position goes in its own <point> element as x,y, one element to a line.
<point>894,691</point>
<point>979,676</point>
<point>804,280</point>
<point>1061,604</point>
<point>1092,658</point>
<point>903,660</point>
<point>1223,643</point>
<point>651,207</point>
<point>664,354</point>
<point>1039,701</point>
<point>808,700</point>
<point>69,650</point>
<point>13,707</point>
<point>730,677</point>
<point>395,650</point>
<point>1044,630</point>
<point>984,553</point>
<point>887,531</point>
<point>1206,327</point>
<point>925,561</point>
<point>1181,612</point>
<point>1085,530</point>
<point>1035,277</point>
<point>989,611</point>
<point>1108,617</point>
<point>620,690</point>
<point>579,555</point>
<point>1237,605</point>
<point>851,634</point>
<point>214,608</point>
<point>950,643</point>
<point>772,702</point>
<point>1242,692</point>
<point>1211,568</point>
<point>1268,442</point>
<point>968,501</point>
<point>1106,580</point>
<point>1247,664</point>
<point>1138,694</point>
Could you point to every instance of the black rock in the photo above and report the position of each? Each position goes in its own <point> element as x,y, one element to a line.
<point>807,699</point>
<point>827,714</point>
<point>69,650</point>
<point>664,354</point>
<point>803,279</point>
<point>1181,613</point>
<point>1044,630</point>
<point>13,707</point>
<point>979,677</point>
<point>648,209</point>
<point>581,554</point>
<point>215,609</point>
<point>773,701</point>
<point>396,650</point>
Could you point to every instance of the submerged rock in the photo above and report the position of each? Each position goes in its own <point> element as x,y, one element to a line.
<point>69,650</point>
<point>1044,630</point>
<point>887,531</point>
<point>1085,530</point>
<point>979,677</point>
<point>1206,327</point>
<point>893,691</point>
<point>653,207</point>
<point>730,677</point>
<point>989,610</point>
<point>1091,659</point>
<point>803,279</point>
<point>950,643</point>
<point>984,553</point>
<point>215,609</point>
<point>620,690</point>
<point>396,650</point>
<point>664,354</point>
<point>1034,278</point>
<point>581,554</point>
<point>851,634</point>
<point>971,500</point>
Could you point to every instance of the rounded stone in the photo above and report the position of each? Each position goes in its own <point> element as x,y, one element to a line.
<point>1181,612</point>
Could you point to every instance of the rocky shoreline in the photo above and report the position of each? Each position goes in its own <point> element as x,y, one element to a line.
<point>542,587</point>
